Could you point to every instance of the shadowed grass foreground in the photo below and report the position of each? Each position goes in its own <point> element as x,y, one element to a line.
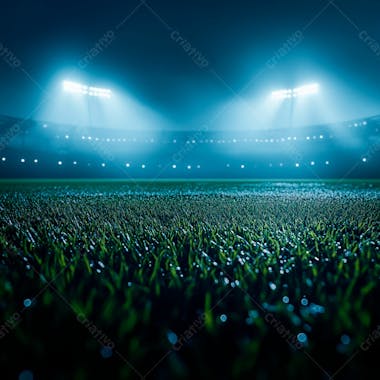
<point>235,280</point>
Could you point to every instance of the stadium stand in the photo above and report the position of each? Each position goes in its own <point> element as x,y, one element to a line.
<point>38,149</point>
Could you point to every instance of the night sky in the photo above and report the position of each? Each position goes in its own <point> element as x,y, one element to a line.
<point>239,49</point>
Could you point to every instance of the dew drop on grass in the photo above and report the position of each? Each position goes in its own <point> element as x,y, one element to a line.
<point>172,337</point>
<point>345,339</point>
<point>316,309</point>
<point>27,302</point>
<point>304,302</point>
<point>290,308</point>
<point>223,318</point>
<point>285,299</point>
<point>272,286</point>
<point>253,314</point>
<point>302,338</point>
<point>106,352</point>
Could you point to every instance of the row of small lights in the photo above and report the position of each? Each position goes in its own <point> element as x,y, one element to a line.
<point>360,124</point>
<point>283,139</point>
<point>211,141</point>
<point>174,166</point>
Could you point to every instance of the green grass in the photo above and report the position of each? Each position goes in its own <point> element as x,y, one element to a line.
<point>229,272</point>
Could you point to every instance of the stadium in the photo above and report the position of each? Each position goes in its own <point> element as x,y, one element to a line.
<point>341,150</point>
<point>189,190</point>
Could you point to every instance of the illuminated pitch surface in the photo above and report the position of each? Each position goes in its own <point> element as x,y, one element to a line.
<point>219,278</point>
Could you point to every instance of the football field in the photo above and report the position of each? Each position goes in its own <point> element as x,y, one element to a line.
<point>189,279</point>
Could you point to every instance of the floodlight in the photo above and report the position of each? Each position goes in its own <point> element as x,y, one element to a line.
<point>282,94</point>
<point>75,88</point>
<point>78,88</point>
<point>309,89</point>
<point>100,92</point>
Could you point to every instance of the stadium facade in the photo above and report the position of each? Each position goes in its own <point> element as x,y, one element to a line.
<point>36,149</point>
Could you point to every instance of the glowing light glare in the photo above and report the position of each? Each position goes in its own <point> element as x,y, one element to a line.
<point>73,87</point>
<point>281,94</point>
<point>309,89</point>
<point>78,88</point>
<point>100,92</point>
